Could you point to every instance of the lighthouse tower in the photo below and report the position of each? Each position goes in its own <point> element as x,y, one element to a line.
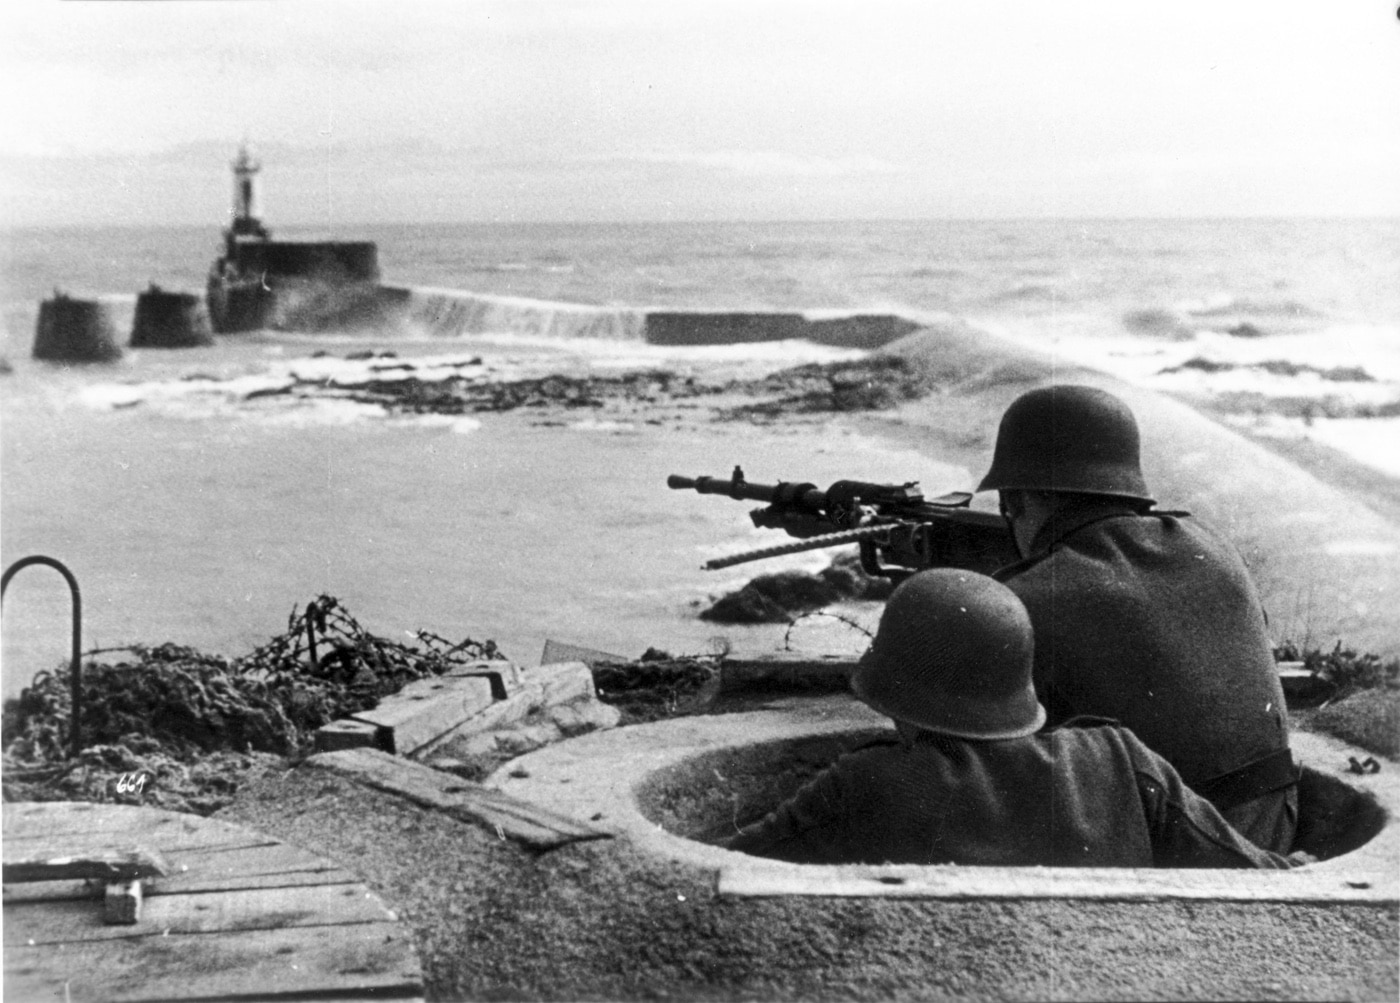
<point>245,197</point>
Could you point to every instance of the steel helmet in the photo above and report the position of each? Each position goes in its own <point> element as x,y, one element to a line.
<point>1068,438</point>
<point>953,655</point>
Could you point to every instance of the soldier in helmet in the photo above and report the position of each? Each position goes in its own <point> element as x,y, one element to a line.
<point>972,778</point>
<point>1142,616</point>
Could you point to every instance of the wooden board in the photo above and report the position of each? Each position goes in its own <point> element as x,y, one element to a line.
<point>240,915</point>
<point>256,863</point>
<point>54,891</point>
<point>360,961</point>
<point>105,865</point>
<point>559,651</point>
<point>520,820</point>
<point>786,670</point>
<point>77,843</point>
<point>45,818</point>
<point>35,923</point>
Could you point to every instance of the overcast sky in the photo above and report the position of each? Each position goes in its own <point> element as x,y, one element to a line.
<point>120,112</point>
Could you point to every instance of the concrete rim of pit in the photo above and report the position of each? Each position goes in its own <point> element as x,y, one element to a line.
<point>595,778</point>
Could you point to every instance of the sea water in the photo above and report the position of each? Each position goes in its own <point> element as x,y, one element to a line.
<point>189,515</point>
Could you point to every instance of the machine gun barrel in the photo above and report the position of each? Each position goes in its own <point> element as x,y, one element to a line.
<point>805,497</point>
<point>837,503</point>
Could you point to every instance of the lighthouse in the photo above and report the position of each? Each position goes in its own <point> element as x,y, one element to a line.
<point>259,282</point>
<point>245,197</point>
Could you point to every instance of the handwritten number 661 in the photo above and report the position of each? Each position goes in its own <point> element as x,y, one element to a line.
<point>132,783</point>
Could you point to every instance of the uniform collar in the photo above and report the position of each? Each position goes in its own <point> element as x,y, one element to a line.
<point>1075,517</point>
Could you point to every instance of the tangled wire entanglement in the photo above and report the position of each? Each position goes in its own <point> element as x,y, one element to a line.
<point>193,721</point>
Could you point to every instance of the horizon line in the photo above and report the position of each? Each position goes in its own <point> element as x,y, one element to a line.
<point>6,227</point>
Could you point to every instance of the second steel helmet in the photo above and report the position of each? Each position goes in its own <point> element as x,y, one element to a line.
<point>953,655</point>
<point>1068,438</point>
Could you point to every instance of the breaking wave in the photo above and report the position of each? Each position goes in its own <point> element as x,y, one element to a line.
<point>456,313</point>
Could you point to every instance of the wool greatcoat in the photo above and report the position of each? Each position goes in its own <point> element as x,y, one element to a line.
<point>1153,621</point>
<point>1090,796</point>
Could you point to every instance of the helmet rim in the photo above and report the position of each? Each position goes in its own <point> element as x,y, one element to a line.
<point>1068,437</point>
<point>953,655</point>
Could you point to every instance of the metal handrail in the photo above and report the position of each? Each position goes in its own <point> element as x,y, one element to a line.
<point>76,666</point>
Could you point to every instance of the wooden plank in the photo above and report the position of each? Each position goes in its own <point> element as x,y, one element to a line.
<point>425,709</point>
<point>559,651</point>
<point>273,866</point>
<point>68,922</point>
<point>54,891</point>
<point>42,818</point>
<point>360,961</point>
<point>169,843</point>
<point>786,670</point>
<point>520,820</point>
<point>346,734</point>
<point>248,861</point>
<point>103,865</point>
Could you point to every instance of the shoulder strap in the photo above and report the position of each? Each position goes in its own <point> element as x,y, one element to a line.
<point>1264,775</point>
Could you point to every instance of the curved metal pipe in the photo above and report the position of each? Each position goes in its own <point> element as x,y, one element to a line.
<point>76,664</point>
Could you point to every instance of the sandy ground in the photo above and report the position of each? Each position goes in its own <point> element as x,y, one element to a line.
<point>599,920</point>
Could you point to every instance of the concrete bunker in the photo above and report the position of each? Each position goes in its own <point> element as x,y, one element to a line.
<point>690,800</point>
<point>676,787</point>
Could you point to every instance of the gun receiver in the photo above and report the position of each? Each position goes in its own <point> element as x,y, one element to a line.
<point>899,531</point>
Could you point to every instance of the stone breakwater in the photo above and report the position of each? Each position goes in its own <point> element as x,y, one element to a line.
<point>66,333</point>
<point>453,313</point>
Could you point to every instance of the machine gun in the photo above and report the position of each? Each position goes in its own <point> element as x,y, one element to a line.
<point>898,529</point>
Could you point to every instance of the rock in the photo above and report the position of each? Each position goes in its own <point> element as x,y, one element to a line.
<point>525,738</point>
<point>583,716</point>
<point>748,605</point>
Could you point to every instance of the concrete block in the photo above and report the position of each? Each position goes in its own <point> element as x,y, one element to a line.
<point>500,714</point>
<point>566,681</point>
<point>426,709</point>
<point>506,677</point>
